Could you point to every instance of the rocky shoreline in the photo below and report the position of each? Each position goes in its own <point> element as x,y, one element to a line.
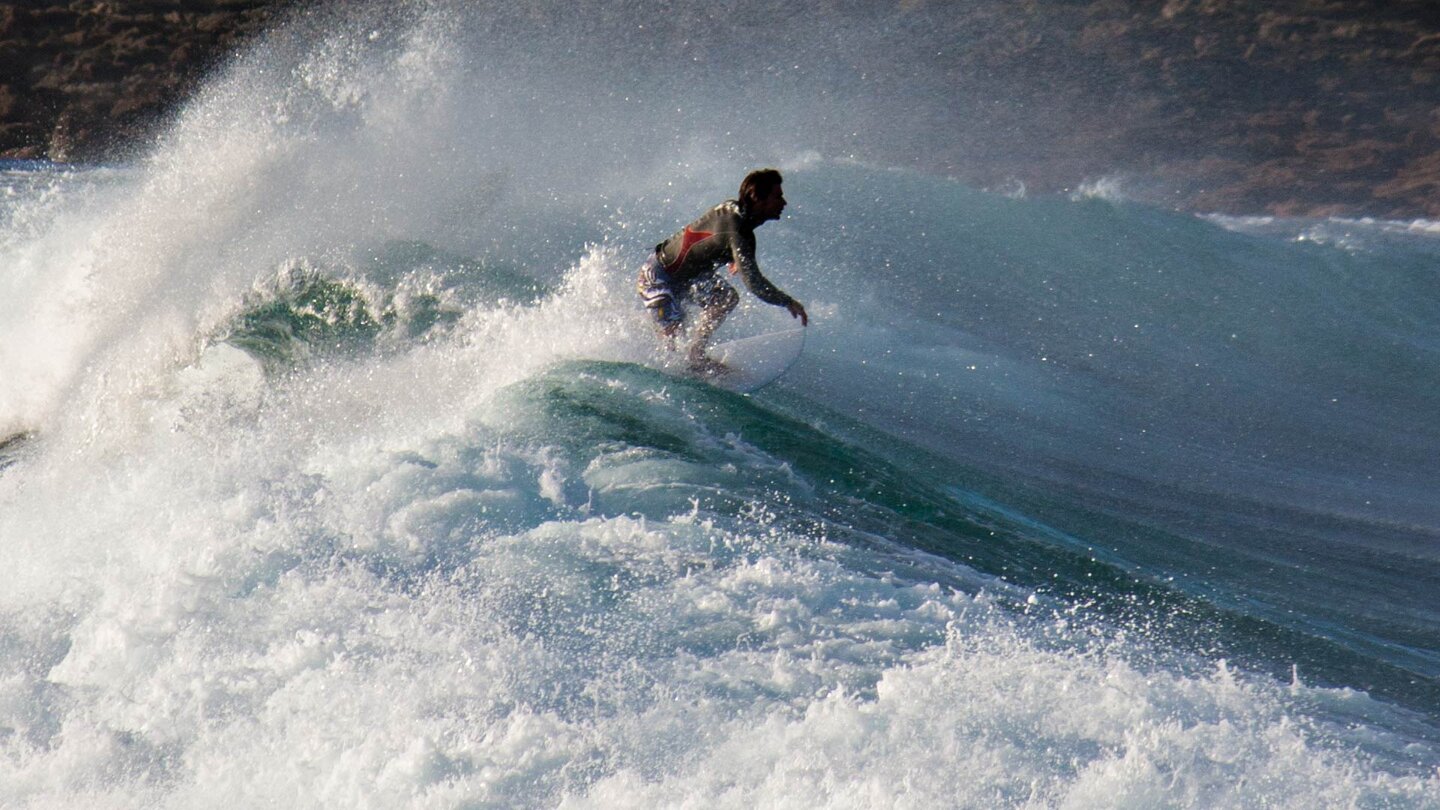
<point>1305,107</point>
<point>1311,107</point>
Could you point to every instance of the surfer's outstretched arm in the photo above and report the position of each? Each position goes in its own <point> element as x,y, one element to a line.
<point>744,265</point>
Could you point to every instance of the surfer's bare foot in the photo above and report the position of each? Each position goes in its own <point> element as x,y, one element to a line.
<point>707,366</point>
<point>669,333</point>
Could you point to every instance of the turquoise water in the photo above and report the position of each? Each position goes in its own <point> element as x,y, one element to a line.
<point>352,475</point>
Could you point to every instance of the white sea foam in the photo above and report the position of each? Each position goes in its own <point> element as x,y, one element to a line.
<point>1363,234</point>
<point>595,662</point>
<point>602,661</point>
<point>1109,189</point>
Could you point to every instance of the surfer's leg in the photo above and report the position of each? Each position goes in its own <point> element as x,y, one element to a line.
<point>653,285</point>
<point>717,300</point>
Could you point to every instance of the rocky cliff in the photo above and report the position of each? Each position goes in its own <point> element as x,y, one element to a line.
<point>83,80</point>
<point>1299,106</point>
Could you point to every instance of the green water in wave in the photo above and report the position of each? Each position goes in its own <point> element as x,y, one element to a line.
<point>686,445</point>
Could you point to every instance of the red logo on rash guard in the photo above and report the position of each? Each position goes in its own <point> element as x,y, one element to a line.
<point>688,239</point>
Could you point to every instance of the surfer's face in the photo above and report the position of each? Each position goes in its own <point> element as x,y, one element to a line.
<point>769,207</point>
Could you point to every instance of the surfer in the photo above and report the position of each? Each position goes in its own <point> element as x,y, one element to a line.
<point>683,268</point>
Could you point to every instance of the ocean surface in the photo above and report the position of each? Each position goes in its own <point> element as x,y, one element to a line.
<point>340,468</point>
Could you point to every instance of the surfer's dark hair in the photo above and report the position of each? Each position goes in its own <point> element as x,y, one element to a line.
<point>757,186</point>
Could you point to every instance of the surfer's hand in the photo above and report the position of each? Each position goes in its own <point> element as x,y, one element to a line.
<point>797,311</point>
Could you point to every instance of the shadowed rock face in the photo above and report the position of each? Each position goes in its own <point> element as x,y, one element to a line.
<point>1241,106</point>
<point>82,80</point>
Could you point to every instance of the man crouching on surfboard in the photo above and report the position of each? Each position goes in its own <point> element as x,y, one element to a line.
<point>684,267</point>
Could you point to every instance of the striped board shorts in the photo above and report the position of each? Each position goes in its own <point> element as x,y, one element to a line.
<point>657,291</point>
<point>654,287</point>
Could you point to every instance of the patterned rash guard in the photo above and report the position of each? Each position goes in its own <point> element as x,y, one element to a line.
<point>724,234</point>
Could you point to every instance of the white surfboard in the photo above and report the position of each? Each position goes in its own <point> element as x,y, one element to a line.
<point>755,362</point>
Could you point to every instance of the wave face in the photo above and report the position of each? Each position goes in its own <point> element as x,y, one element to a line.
<point>338,466</point>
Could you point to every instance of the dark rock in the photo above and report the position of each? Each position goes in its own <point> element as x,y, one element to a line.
<point>89,77</point>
